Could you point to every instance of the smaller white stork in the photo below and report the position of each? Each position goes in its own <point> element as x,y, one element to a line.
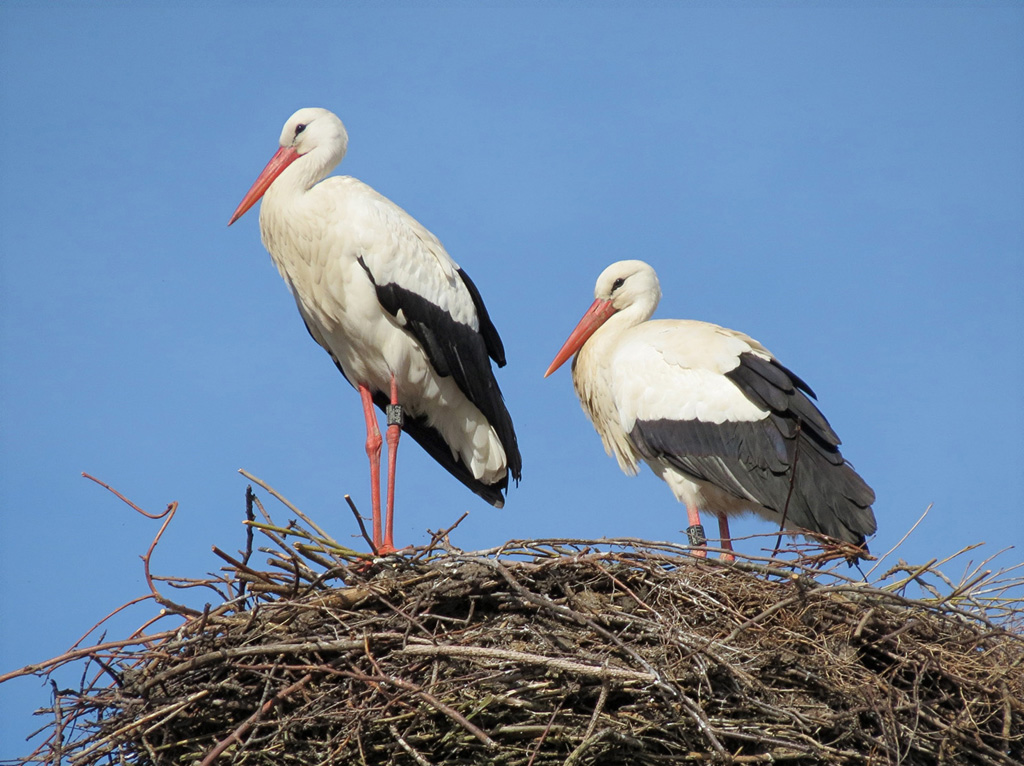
<point>402,322</point>
<point>713,413</point>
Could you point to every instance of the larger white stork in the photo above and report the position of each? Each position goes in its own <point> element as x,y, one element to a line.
<point>712,412</point>
<point>404,324</point>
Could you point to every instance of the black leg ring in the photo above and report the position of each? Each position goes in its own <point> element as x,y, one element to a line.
<point>394,412</point>
<point>696,535</point>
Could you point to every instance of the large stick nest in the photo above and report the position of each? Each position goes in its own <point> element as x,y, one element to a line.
<point>554,652</point>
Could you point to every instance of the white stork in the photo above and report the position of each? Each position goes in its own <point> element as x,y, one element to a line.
<point>712,412</point>
<point>404,324</point>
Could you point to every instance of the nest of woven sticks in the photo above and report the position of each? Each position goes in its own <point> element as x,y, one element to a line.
<point>553,652</point>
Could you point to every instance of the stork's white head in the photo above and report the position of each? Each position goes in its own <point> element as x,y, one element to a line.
<point>628,288</point>
<point>315,135</point>
<point>312,128</point>
<point>629,283</point>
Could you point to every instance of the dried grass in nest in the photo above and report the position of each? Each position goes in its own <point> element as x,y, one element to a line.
<point>553,652</point>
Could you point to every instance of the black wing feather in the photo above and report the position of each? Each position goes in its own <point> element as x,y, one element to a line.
<point>759,460</point>
<point>487,329</point>
<point>455,349</point>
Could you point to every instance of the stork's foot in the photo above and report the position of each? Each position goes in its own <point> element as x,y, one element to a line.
<point>383,557</point>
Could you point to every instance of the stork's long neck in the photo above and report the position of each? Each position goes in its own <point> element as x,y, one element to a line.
<point>592,371</point>
<point>279,211</point>
<point>305,173</point>
<point>608,335</point>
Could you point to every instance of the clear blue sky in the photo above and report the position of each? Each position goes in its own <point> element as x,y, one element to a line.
<point>844,184</point>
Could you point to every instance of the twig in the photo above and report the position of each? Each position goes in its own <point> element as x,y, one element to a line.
<point>792,484</point>
<point>312,524</point>
<point>121,608</point>
<point>517,657</point>
<point>238,565</point>
<point>237,734</point>
<point>250,516</point>
<point>155,516</point>
<point>359,521</point>
<point>413,752</point>
<point>430,699</point>
<point>77,654</point>
<point>436,537</point>
<point>58,731</point>
<point>900,542</point>
<point>161,715</point>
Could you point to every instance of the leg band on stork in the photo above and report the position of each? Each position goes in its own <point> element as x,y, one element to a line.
<point>695,532</point>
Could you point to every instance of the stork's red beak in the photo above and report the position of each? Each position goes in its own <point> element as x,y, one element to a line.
<point>284,157</point>
<point>596,316</point>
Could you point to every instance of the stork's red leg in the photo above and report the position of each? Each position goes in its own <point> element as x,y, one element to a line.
<point>394,432</point>
<point>695,532</point>
<point>723,532</point>
<point>373,444</point>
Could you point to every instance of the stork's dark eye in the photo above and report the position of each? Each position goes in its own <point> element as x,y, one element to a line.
<point>618,283</point>
<point>299,128</point>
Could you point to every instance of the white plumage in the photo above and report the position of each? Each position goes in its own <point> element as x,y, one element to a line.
<point>712,412</point>
<point>403,323</point>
